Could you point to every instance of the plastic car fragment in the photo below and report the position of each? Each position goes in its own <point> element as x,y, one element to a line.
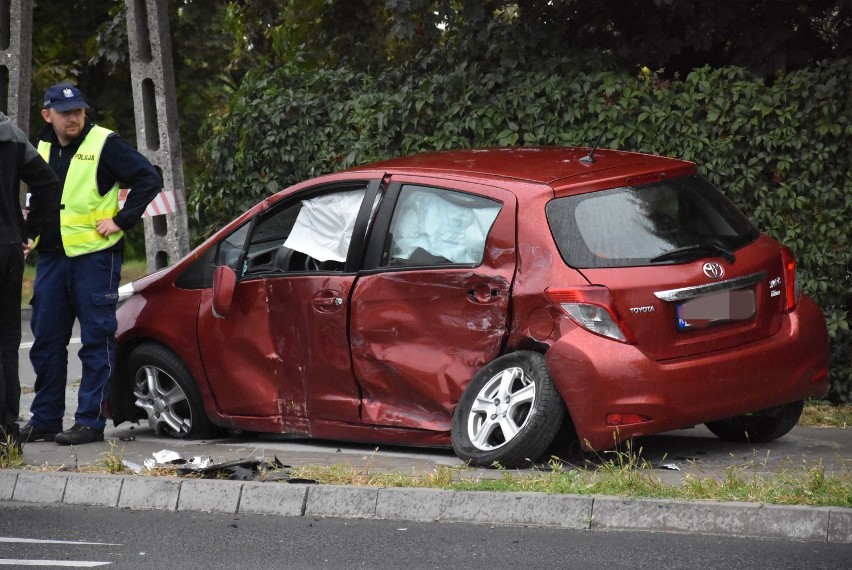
<point>199,462</point>
<point>164,458</point>
<point>134,467</point>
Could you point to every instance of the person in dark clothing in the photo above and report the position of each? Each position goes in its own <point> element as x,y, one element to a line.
<point>19,161</point>
<point>79,263</point>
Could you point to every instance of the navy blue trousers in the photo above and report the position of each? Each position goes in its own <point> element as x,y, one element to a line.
<point>68,288</point>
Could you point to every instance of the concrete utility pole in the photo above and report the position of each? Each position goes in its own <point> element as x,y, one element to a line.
<point>154,103</point>
<point>157,134</point>
<point>16,44</point>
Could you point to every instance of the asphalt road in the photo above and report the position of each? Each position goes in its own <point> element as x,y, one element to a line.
<point>90,536</point>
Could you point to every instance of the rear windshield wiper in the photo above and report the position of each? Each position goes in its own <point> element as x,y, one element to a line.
<point>695,251</point>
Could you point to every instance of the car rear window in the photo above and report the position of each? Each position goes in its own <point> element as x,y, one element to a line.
<point>632,225</point>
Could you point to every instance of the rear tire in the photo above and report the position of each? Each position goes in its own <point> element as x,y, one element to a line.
<point>509,414</point>
<point>759,427</point>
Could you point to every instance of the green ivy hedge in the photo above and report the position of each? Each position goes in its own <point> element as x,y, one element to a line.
<point>780,151</point>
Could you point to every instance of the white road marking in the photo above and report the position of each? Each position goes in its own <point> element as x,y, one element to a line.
<point>19,562</point>
<point>53,563</point>
<point>41,541</point>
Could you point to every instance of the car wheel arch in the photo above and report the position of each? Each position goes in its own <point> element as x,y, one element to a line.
<point>173,372</point>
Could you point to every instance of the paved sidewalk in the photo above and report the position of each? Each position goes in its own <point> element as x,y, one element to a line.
<point>675,455</point>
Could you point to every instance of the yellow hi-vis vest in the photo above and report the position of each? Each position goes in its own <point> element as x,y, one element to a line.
<point>82,204</point>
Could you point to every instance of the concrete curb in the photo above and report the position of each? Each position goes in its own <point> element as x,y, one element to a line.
<point>823,524</point>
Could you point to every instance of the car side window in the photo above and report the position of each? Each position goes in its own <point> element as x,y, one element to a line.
<point>266,253</point>
<point>231,247</point>
<point>433,226</point>
<point>311,234</point>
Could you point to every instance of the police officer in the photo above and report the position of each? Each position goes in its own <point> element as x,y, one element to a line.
<point>79,263</point>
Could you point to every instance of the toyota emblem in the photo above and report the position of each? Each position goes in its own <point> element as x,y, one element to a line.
<point>713,270</point>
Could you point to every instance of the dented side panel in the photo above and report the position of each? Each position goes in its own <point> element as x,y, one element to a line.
<point>281,357</point>
<point>420,334</point>
<point>239,355</point>
<point>308,317</point>
<point>424,342</point>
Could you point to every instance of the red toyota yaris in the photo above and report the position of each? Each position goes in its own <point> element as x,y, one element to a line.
<point>481,299</point>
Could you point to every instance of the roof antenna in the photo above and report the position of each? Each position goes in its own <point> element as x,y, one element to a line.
<point>590,158</point>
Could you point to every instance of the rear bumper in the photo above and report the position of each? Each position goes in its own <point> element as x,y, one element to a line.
<point>598,377</point>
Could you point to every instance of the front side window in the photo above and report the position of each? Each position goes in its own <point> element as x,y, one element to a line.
<point>199,274</point>
<point>232,246</point>
<point>323,229</point>
<point>632,226</point>
<point>310,234</point>
<point>432,226</point>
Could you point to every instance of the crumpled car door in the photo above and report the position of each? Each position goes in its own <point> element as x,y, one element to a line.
<point>436,308</point>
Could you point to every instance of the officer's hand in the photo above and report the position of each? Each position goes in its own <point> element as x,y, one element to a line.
<point>28,247</point>
<point>107,227</point>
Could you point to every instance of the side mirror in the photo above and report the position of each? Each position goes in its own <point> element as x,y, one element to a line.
<point>224,282</point>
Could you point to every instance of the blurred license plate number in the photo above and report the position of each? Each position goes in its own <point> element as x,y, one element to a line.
<point>716,308</point>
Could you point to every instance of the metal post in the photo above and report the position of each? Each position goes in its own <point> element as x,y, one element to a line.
<point>16,31</point>
<point>157,134</point>
<point>16,46</point>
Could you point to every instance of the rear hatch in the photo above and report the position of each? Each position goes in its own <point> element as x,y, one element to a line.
<point>686,271</point>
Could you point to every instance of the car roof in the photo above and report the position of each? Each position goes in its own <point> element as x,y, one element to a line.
<point>545,165</point>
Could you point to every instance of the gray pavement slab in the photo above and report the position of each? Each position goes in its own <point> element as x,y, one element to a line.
<point>8,479</point>
<point>521,509</point>
<point>209,496</point>
<point>426,505</point>
<point>342,501</point>
<point>840,526</point>
<point>155,493</point>
<point>265,499</point>
<point>92,489</point>
<point>704,517</point>
<point>40,487</point>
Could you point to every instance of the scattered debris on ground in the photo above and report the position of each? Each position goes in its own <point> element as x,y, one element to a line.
<point>251,468</point>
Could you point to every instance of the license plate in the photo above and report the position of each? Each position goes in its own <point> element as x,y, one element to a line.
<point>716,308</point>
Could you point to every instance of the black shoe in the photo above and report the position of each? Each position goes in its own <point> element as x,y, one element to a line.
<point>31,433</point>
<point>79,434</point>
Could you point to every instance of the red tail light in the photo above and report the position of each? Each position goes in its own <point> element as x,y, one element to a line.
<point>791,280</point>
<point>591,308</point>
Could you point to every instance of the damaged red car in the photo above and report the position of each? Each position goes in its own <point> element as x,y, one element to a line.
<point>481,299</point>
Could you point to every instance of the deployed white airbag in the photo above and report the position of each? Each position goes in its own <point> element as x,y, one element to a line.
<point>323,228</point>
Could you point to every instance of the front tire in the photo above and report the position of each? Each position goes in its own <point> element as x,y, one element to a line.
<point>759,427</point>
<point>509,414</point>
<point>165,390</point>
